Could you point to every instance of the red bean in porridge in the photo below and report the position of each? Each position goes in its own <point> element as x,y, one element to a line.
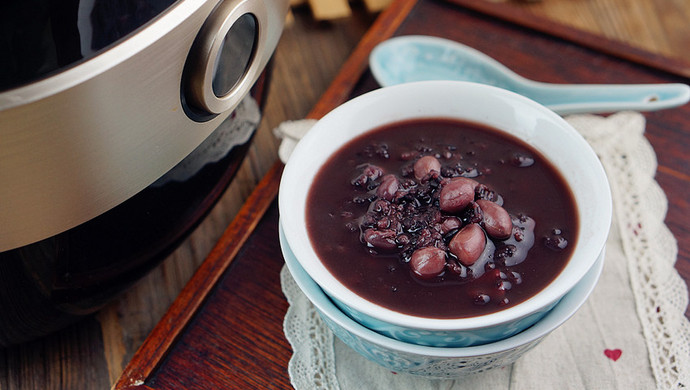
<point>441,218</point>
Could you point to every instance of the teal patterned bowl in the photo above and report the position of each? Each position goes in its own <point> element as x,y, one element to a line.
<point>436,362</point>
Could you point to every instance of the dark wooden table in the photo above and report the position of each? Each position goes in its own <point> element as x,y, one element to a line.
<point>224,330</point>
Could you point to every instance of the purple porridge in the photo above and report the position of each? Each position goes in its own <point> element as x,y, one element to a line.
<point>441,218</point>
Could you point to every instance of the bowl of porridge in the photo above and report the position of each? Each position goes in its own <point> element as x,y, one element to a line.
<point>444,214</point>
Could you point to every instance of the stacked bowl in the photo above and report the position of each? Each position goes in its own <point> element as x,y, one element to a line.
<point>444,346</point>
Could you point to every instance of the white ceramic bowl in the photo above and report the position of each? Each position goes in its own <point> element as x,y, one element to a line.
<point>434,362</point>
<point>562,145</point>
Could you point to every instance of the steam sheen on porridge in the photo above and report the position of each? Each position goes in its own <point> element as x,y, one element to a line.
<point>441,218</point>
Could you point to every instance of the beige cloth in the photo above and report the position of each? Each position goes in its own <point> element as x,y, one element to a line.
<point>630,334</point>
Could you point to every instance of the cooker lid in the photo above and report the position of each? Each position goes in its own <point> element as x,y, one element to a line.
<point>41,37</point>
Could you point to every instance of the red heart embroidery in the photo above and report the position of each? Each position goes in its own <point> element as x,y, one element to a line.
<point>613,354</point>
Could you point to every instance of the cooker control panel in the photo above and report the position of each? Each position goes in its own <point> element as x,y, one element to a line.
<point>223,62</point>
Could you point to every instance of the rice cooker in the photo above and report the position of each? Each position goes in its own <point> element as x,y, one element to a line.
<point>121,122</point>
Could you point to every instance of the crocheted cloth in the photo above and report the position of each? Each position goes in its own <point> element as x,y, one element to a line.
<point>631,334</point>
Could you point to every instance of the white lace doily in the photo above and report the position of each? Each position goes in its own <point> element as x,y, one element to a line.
<point>631,334</point>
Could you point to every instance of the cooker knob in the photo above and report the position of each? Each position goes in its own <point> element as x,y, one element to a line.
<point>224,61</point>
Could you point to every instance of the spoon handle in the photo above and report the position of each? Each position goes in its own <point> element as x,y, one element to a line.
<point>599,98</point>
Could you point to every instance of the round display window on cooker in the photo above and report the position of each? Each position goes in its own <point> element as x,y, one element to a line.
<point>121,122</point>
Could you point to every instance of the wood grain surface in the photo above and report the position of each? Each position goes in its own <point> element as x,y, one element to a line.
<point>92,353</point>
<point>653,25</point>
<point>211,350</point>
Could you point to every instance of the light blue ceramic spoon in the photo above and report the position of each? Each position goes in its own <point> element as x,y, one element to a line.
<point>417,58</point>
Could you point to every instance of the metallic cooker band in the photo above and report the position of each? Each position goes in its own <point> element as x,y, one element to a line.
<point>83,141</point>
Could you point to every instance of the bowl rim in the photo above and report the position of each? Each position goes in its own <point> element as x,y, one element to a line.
<point>531,116</point>
<point>564,310</point>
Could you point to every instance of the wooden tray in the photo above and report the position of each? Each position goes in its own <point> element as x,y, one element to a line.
<point>225,329</point>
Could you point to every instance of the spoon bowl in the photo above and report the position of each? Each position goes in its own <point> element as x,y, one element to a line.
<point>419,58</point>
